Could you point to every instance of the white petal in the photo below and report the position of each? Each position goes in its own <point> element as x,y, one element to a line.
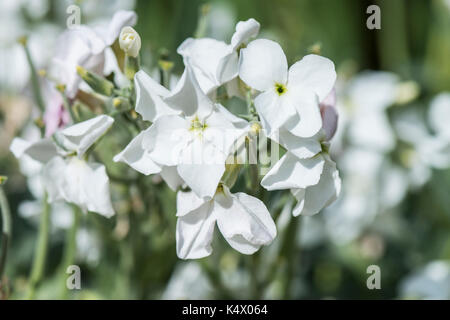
<point>120,19</point>
<point>18,147</point>
<point>314,73</point>
<point>373,91</point>
<point>166,139</point>
<point>302,148</point>
<point>309,120</point>
<point>263,64</point>
<point>194,233</point>
<point>83,135</point>
<point>372,130</point>
<point>171,177</point>
<point>244,221</point>
<point>137,157</point>
<point>244,31</point>
<point>53,178</point>
<point>204,56</point>
<point>187,96</point>
<point>149,94</point>
<point>97,189</point>
<point>228,68</point>
<point>87,185</point>
<point>187,202</point>
<point>314,198</point>
<point>42,151</point>
<point>274,110</point>
<point>202,179</point>
<point>224,129</point>
<point>291,172</point>
<point>76,47</point>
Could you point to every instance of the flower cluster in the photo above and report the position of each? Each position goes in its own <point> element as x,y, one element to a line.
<point>186,133</point>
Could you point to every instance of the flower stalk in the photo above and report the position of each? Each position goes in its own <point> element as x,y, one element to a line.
<point>41,250</point>
<point>6,227</point>
<point>34,76</point>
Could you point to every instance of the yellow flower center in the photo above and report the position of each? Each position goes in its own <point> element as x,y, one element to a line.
<point>197,126</point>
<point>280,88</point>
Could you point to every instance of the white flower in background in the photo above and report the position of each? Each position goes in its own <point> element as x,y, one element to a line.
<point>420,151</point>
<point>196,142</point>
<point>289,98</point>
<point>439,115</point>
<point>188,281</point>
<point>372,183</point>
<point>368,96</point>
<point>130,41</point>
<point>431,282</point>
<point>243,220</point>
<point>214,62</point>
<point>85,46</point>
<point>66,175</point>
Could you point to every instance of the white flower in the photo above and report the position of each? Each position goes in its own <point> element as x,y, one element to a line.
<point>151,105</point>
<point>215,62</point>
<point>288,98</point>
<point>188,281</point>
<point>431,282</point>
<point>85,46</point>
<point>195,142</point>
<point>243,220</point>
<point>307,170</point>
<point>130,41</point>
<point>439,115</point>
<point>312,199</point>
<point>368,96</point>
<point>66,175</point>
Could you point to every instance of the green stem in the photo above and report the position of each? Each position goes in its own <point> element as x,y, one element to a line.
<point>41,250</point>
<point>6,230</point>
<point>290,254</point>
<point>215,279</point>
<point>70,248</point>
<point>202,24</point>
<point>255,285</point>
<point>69,108</point>
<point>34,80</point>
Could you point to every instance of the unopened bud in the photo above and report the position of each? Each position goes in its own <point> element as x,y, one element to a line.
<point>255,127</point>
<point>23,40</point>
<point>96,82</point>
<point>130,41</point>
<point>3,180</point>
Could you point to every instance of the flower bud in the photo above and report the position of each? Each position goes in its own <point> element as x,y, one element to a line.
<point>96,82</point>
<point>329,114</point>
<point>3,180</point>
<point>130,41</point>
